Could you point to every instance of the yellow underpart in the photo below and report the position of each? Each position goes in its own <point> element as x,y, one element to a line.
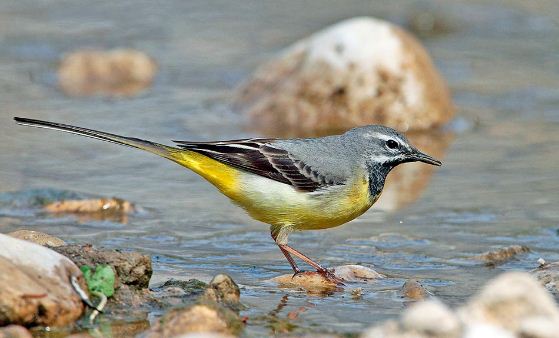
<point>280,204</point>
<point>222,176</point>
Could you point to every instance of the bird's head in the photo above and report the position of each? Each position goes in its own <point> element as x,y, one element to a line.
<point>385,147</point>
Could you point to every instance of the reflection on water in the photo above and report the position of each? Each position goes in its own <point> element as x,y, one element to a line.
<point>498,185</point>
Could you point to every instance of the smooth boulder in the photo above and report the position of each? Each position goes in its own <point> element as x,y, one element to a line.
<point>358,71</point>
<point>35,285</point>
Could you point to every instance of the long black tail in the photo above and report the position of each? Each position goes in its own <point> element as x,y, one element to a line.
<point>152,147</point>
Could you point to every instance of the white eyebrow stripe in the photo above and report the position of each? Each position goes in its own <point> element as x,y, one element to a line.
<point>385,137</point>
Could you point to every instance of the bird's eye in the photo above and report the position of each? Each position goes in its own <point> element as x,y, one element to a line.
<point>391,144</point>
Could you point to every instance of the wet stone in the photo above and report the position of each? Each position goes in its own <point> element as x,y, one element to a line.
<point>35,285</point>
<point>222,289</point>
<point>547,274</point>
<point>356,72</point>
<point>204,317</point>
<point>357,293</point>
<point>414,290</point>
<point>502,255</point>
<point>117,72</point>
<point>312,282</point>
<point>61,202</point>
<point>132,268</point>
<point>37,237</point>
<point>107,205</point>
<point>175,292</point>
<point>356,273</point>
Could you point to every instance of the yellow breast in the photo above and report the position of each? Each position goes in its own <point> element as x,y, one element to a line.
<point>280,204</point>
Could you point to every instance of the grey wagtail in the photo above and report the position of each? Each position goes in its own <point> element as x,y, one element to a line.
<point>291,184</point>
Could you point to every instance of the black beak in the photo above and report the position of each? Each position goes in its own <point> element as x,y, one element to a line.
<point>421,157</point>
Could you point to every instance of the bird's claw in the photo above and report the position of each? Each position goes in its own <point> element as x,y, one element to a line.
<point>329,274</point>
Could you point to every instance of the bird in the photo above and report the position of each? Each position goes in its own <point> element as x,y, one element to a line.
<point>290,184</point>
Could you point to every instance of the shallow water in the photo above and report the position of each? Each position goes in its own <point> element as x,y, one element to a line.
<point>498,186</point>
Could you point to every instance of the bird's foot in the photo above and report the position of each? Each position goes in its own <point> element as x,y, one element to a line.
<point>329,275</point>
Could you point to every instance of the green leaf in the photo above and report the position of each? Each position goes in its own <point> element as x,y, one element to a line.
<point>100,279</point>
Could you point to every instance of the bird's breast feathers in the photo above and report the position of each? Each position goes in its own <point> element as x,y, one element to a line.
<point>281,204</point>
<point>278,203</point>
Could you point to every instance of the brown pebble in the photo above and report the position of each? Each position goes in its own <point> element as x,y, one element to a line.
<point>222,289</point>
<point>119,72</point>
<point>502,255</point>
<point>199,318</point>
<point>37,237</point>
<point>356,273</point>
<point>414,290</point>
<point>311,281</point>
<point>109,205</point>
<point>547,275</point>
<point>357,293</point>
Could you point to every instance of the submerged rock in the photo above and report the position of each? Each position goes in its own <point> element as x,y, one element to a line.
<point>37,237</point>
<point>356,273</point>
<point>311,281</point>
<point>314,282</point>
<point>132,268</point>
<point>414,290</point>
<point>359,71</point>
<point>35,285</point>
<point>222,289</point>
<point>195,319</point>
<point>215,311</point>
<point>118,72</point>
<point>175,292</point>
<point>56,202</point>
<point>106,205</point>
<point>547,274</point>
<point>502,255</point>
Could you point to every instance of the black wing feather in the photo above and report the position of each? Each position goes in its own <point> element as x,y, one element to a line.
<point>259,156</point>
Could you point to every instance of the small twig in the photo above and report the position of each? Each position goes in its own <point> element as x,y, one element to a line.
<point>99,307</point>
<point>83,295</point>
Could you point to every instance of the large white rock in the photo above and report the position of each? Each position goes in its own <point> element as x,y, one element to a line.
<point>359,71</point>
<point>516,302</point>
<point>35,287</point>
<point>511,305</point>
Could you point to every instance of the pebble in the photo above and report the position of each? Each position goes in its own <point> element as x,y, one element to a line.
<point>414,290</point>
<point>502,255</point>
<point>37,237</point>
<point>117,72</point>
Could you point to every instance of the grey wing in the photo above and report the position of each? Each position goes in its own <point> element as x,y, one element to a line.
<point>259,156</point>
